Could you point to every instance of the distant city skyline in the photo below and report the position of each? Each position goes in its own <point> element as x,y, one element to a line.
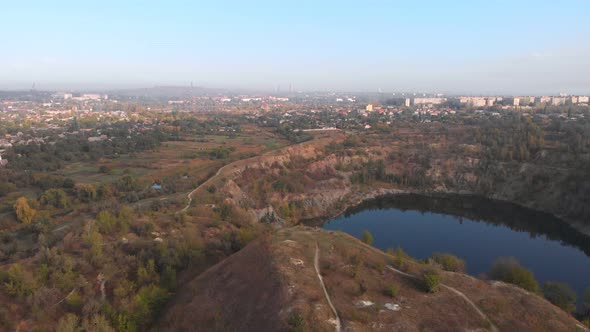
<point>452,47</point>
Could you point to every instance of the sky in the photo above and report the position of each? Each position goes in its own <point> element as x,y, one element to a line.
<point>467,46</point>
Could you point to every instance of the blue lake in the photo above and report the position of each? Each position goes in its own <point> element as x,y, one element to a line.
<point>475,229</point>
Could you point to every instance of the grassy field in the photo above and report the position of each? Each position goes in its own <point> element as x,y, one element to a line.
<point>186,159</point>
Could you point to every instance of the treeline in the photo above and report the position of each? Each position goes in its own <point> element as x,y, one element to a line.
<point>178,125</point>
<point>510,138</point>
<point>374,170</point>
<point>74,148</point>
<point>291,135</point>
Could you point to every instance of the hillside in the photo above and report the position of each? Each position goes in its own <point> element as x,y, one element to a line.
<point>272,285</point>
<point>323,177</point>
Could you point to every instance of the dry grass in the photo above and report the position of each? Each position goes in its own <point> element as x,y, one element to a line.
<point>274,279</point>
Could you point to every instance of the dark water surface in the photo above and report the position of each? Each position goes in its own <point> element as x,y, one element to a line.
<point>475,229</point>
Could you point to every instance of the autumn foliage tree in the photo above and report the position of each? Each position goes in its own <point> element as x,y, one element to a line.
<point>24,212</point>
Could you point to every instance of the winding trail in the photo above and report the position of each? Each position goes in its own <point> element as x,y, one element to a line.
<point>457,292</point>
<point>190,195</point>
<point>316,265</point>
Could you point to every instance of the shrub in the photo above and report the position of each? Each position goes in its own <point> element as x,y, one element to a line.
<point>75,301</point>
<point>400,258</point>
<point>392,290</point>
<point>18,282</point>
<point>509,270</point>
<point>367,237</point>
<point>105,169</point>
<point>561,295</point>
<point>363,287</point>
<point>449,262</point>
<point>68,323</point>
<point>97,323</point>
<point>296,322</point>
<point>431,280</point>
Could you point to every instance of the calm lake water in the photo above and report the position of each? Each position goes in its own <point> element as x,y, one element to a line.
<point>475,229</point>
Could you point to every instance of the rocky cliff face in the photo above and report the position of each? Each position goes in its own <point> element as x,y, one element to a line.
<point>306,181</point>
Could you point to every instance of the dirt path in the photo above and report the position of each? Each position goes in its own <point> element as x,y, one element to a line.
<point>457,292</point>
<point>190,195</point>
<point>316,263</point>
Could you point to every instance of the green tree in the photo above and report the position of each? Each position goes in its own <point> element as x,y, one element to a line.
<point>24,212</point>
<point>147,274</point>
<point>169,278</point>
<point>509,270</point>
<point>150,300</point>
<point>449,262</point>
<point>106,222</point>
<point>19,282</point>
<point>127,183</point>
<point>93,240</point>
<point>56,198</point>
<point>87,192</point>
<point>367,237</point>
<point>431,279</point>
<point>561,295</point>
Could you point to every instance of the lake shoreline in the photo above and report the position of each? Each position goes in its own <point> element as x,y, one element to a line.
<point>359,198</point>
<point>472,227</point>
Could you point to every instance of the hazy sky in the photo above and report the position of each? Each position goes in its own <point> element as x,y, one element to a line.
<point>466,46</point>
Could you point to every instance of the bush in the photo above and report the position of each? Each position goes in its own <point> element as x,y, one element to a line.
<point>68,323</point>
<point>18,282</point>
<point>431,279</point>
<point>392,291</point>
<point>97,323</point>
<point>367,237</point>
<point>296,322</point>
<point>449,262</point>
<point>400,258</point>
<point>561,295</point>
<point>105,169</point>
<point>509,270</point>
<point>150,300</point>
<point>75,301</point>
